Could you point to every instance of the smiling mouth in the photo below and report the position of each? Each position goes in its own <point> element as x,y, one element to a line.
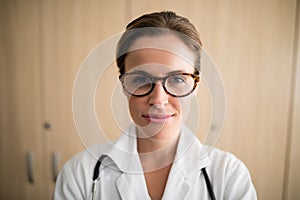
<point>158,118</point>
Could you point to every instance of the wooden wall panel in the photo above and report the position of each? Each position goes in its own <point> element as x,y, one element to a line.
<point>293,156</point>
<point>69,31</point>
<point>20,109</point>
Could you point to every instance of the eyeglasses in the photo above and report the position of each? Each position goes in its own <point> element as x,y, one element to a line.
<point>176,84</point>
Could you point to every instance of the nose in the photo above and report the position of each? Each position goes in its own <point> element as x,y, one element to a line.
<point>158,96</point>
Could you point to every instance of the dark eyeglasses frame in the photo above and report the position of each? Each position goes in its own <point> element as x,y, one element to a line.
<point>163,81</point>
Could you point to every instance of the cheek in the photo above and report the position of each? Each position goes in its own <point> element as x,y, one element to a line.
<point>132,106</point>
<point>176,104</point>
<point>136,106</point>
<point>184,104</point>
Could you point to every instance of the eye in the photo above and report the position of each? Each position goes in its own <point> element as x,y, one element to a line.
<point>176,79</point>
<point>141,79</point>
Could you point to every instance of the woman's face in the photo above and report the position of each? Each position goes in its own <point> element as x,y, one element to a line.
<point>159,115</point>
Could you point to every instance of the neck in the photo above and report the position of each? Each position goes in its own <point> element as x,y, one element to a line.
<point>157,153</point>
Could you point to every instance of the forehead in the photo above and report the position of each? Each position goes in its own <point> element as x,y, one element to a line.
<point>161,54</point>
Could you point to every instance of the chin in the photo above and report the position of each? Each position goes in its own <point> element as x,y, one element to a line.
<point>161,131</point>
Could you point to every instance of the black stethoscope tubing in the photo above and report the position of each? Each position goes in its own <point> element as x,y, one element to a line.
<point>208,184</point>
<point>97,170</point>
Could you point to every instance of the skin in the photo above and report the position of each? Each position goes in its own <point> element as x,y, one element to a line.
<point>158,116</point>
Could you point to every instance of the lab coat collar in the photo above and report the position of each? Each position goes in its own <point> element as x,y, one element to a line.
<point>123,152</point>
<point>127,184</point>
<point>187,161</point>
<point>125,156</point>
<point>189,154</point>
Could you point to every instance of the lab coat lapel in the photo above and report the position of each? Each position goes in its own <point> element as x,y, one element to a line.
<point>132,186</point>
<point>187,162</point>
<point>131,183</point>
<point>124,152</point>
<point>177,186</point>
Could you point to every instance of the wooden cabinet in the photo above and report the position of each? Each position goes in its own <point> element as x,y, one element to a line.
<point>44,42</point>
<point>21,122</point>
<point>42,45</point>
<point>69,31</point>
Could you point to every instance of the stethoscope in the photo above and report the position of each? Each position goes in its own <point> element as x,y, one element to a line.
<point>97,170</point>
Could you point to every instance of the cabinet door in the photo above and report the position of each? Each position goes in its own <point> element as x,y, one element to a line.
<point>69,31</point>
<point>20,107</point>
<point>252,44</point>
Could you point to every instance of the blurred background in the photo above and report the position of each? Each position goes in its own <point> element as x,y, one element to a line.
<point>254,43</point>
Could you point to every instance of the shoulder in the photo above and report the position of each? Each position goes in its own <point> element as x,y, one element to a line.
<point>226,164</point>
<point>72,181</point>
<point>225,160</point>
<point>232,175</point>
<point>86,157</point>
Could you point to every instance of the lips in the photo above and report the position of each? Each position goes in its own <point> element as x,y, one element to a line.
<point>158,118</point>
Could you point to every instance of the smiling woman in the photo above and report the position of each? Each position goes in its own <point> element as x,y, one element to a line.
<point>159,63</point>
<point>157,103</point>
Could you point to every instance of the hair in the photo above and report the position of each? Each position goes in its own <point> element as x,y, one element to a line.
<point>157,24</point>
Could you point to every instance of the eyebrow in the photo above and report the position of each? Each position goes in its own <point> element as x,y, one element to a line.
<point>175,72</point>
<point>169,73</point>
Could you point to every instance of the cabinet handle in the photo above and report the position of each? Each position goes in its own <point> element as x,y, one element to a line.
<point>30,160</point>
<point>55,163</point>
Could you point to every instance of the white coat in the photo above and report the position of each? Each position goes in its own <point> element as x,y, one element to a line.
<point>121,175</point>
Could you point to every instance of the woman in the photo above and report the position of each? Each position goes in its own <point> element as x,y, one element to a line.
<point>158,157</point>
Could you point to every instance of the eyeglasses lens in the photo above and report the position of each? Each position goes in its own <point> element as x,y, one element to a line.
<point>141,84</point>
